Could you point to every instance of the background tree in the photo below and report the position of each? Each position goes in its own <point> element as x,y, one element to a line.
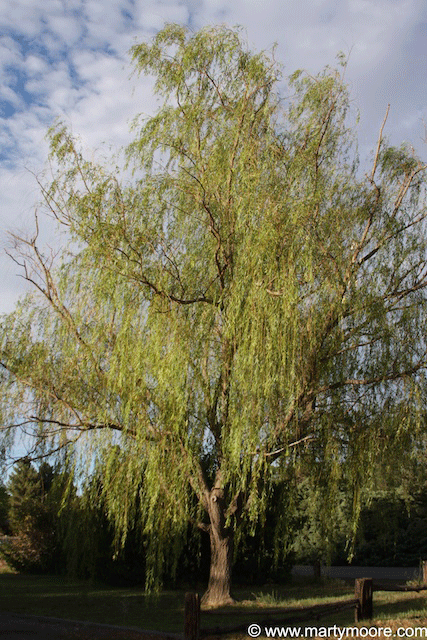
<point>392,527</point>
<point>246,307</point>
<point>89,544</point>
<point>25,488</point>
<point>4,510</point>
<point>34,518</point>
<point>321,536</point>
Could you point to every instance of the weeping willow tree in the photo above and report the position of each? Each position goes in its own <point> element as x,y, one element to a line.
<point>244,306</point>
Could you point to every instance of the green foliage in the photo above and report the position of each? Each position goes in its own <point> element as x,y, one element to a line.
<point>4,510</point>
<point>244,310</point>
<point>34,518</point>
<point>321,534</point>
<point>392,530</point>
<point>89,547</point>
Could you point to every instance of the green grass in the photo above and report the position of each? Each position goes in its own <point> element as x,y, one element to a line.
<point>403,605</point>
<point>304,592</point>
<point>77,600</point>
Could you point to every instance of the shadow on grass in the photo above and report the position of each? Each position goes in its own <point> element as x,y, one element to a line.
<point>394,605</point>
<point>131,607</point>
<point>77,600</point>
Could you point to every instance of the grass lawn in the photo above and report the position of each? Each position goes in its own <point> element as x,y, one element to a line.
<point>78,600</point>
<point>63,598</point>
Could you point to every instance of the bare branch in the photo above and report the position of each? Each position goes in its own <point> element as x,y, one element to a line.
<point>380,138</point>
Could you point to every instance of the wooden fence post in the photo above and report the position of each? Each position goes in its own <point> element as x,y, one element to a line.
<point>192,616</point>
<point>363,590</point>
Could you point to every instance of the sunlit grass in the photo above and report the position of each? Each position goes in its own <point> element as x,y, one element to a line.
<point>304,594</point>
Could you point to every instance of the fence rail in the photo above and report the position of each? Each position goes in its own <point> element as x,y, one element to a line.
<point>310,613</point>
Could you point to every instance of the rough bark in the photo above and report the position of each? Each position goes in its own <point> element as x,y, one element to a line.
<point>222,543</point>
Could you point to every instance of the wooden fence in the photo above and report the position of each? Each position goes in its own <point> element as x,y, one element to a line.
<point>362,603</point>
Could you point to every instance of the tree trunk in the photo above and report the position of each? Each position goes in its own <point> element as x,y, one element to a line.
<point>221,539</point>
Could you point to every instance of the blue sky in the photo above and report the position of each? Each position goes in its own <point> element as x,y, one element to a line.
<point>68,59</point>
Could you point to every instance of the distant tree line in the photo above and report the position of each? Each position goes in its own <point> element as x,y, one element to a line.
<point>48,527</point>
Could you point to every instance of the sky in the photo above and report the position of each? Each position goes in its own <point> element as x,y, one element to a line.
<point>68,59</point>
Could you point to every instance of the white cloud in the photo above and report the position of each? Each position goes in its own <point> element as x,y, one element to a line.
<point>9,51</point>
<point>154,17</point>
<point>36,65</point>
<point>12,97</point>
<point>67,28</point>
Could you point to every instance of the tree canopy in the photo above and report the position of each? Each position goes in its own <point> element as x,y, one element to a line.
<point>246,305</point>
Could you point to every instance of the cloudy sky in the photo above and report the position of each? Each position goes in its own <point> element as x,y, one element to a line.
<point>69,59</point>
